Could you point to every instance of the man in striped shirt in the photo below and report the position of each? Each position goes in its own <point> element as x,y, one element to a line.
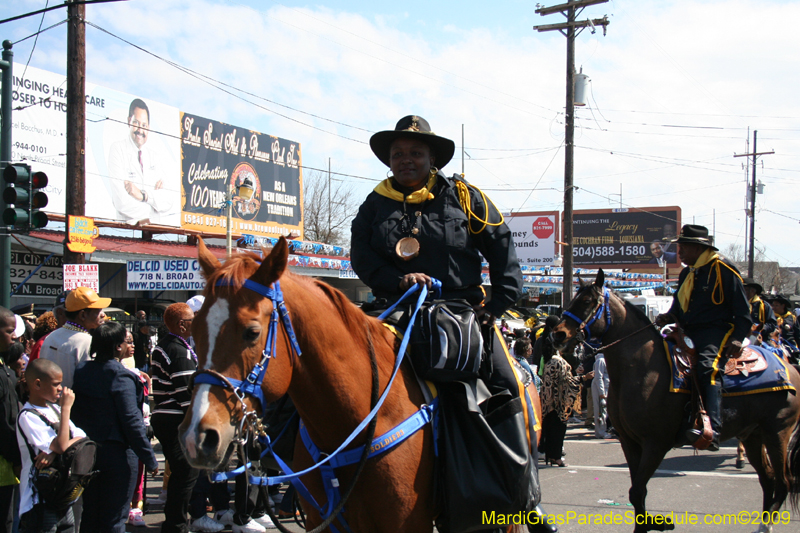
<point>173,363</point>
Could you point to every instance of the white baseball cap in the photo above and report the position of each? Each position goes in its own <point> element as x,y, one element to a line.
<point>19,330</point>
<point>196,302</point>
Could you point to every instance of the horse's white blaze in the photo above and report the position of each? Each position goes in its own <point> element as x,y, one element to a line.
<point>217,316</point>
<point>199,409</point>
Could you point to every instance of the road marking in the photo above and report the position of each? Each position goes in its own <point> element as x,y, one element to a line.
<point>624,470</point>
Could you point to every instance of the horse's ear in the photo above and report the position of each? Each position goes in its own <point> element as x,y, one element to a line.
<point>208,262</point>
<point>581,284</point>
<point>273,265</point>
<point>600,279</point>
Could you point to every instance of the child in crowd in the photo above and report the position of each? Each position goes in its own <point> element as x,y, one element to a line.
<point>39,444</point>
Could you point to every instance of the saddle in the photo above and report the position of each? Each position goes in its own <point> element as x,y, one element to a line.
<point>749,362</point>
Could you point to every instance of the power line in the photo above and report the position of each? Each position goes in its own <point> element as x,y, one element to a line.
<point>37,33</point>
<point>220,86</point>
<point>36,40</point>
<point>455,74</point>
<point>383,60</point>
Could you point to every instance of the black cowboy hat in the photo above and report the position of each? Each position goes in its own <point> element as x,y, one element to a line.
<point>782,299</point>
<point>691,234</point>
<point>750,282</point>
<point>413,127</point>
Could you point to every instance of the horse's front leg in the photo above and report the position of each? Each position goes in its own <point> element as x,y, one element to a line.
<point>642,463</point>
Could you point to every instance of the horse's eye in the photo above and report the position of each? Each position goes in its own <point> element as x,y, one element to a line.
<point>251,334</point>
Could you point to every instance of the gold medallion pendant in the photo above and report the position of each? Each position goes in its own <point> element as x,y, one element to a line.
<point>407,248</point>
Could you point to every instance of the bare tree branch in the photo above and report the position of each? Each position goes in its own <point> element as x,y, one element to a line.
<point>328,214</point>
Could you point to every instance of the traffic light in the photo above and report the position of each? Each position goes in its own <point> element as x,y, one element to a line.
<point>38,218</point>
<point>22,191</point>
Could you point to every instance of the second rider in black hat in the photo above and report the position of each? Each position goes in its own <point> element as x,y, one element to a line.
<point>711,307</point>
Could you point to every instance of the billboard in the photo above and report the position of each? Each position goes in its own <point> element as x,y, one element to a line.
<point>625,238</point>
<point>132,148</point>
<point>217,157</point>
<point>149,163</point>
<point>534,236</point>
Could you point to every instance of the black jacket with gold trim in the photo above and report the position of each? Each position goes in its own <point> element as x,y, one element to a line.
<point>448,251</point>
<point>703,313</point>
<point>766,317</point>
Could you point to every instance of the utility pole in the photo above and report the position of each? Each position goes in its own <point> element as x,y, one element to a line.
<point>330,205</point>
<point>571,10</point>
<point>7,65</point>
<point>751,251</point>
<point>76,118</point>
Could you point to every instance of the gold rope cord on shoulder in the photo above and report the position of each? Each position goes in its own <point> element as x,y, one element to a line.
<point>466,205</point>
<point>718,281</point>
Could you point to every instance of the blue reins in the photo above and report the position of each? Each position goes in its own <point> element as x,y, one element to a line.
<point>252,385</point>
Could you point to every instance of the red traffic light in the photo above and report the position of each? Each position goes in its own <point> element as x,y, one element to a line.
<point>39,180</point>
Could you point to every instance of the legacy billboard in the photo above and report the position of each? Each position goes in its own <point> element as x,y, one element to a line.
<point>534,236</point>
<point>218,157</point>
<point>625,238</point>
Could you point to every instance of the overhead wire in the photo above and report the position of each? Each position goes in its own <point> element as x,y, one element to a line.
<point>408,56</point>
<point>384,60</point>
<point>221,86</point>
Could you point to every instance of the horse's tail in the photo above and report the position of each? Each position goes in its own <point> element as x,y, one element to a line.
<point>794,469</point>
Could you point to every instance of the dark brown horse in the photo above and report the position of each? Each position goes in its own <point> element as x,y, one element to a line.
<point>330,384</point>
<point>649,418</point>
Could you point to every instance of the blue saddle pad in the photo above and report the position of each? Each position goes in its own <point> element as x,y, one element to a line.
<point>774,378</point>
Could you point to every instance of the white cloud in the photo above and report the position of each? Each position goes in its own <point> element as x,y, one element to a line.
<point>724,64</point>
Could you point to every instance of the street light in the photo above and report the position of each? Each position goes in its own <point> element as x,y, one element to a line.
<point>245,192</point>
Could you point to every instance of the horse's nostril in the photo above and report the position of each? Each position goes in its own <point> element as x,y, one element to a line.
<point>209,440</point>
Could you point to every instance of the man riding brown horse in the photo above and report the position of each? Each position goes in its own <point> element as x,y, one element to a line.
<point>712,308</point>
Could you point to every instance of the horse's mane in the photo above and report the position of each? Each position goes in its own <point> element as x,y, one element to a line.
<point>233,272</point>
<point>351,315</point>
<point>630,308</point>
<point>239,268</point>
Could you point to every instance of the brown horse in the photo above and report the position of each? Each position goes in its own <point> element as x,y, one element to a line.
<point>330,385</point>
<point>649,418</point>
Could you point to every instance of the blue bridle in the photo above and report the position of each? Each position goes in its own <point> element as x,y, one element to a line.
<point>603,309</point>
<point>252,383</point>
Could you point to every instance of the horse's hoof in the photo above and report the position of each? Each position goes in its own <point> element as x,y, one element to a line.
<point>764,528</point>
<point>542,523</point>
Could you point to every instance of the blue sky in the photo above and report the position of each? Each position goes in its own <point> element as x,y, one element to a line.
<point>675,85</point>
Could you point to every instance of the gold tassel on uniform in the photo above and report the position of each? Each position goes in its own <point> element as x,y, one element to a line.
<point>466,205</point>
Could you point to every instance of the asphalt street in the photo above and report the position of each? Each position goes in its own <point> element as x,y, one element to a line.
<point>699,488</point>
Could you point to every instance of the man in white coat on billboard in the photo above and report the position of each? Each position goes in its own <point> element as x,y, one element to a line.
<point>137,181</point>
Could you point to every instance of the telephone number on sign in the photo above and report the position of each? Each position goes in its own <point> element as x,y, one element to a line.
<point>31,147</point>
<point>41,274</point>
<point>608,251</point>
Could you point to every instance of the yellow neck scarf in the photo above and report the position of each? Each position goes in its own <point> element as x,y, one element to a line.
<point>755,299</point>
<point>385,188</point>
<point>685,292</point>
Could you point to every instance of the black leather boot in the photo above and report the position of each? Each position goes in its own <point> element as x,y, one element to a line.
<point>541,523</point>
<point>712,401</point>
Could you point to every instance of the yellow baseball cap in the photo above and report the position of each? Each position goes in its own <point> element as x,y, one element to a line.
<point>85,298</point>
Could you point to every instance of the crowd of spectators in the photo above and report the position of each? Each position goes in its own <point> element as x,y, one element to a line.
<point>70,374</point>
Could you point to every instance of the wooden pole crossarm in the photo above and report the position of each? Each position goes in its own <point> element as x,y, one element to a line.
<point>563,7</point>
<point>577,24</point>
